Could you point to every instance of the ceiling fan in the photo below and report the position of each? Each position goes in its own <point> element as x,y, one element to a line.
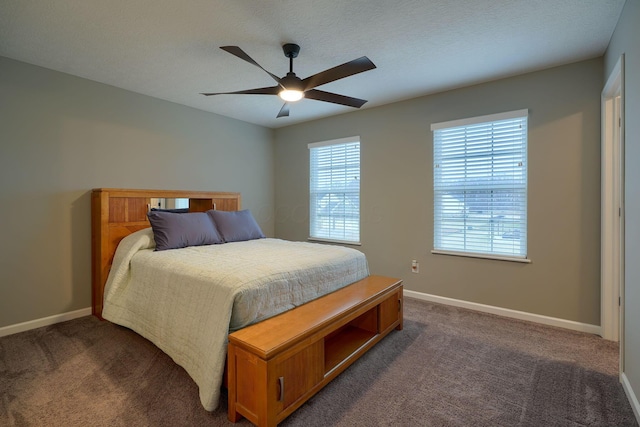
<point>292,88</point>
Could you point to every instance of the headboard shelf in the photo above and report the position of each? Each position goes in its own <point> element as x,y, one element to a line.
<point>118,212</point>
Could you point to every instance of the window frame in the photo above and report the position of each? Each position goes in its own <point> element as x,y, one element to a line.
<point>312,206</point>
<point>486,119</point>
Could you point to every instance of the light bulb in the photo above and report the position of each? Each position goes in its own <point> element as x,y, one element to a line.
<point>291,95</point>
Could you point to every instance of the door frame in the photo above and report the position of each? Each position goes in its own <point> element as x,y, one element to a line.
<point>612,208</point>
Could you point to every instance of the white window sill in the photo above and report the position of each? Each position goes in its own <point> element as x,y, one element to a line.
<point>484,256</point>
<point>342,242</point>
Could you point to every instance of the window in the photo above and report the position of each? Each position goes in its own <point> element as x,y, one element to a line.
<point>334,190</point>
<point>480,186</point>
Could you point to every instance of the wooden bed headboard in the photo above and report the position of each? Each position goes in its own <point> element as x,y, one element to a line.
<point>116,213</point>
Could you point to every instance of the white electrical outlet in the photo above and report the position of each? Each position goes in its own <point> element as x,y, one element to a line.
<point>415,267</point>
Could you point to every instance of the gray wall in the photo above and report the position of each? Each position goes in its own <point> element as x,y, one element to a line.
<point>61,136</point>
<point>625,40</point>
<point>397,191</point>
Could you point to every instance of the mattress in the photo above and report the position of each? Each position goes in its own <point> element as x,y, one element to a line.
<point>187,300</point>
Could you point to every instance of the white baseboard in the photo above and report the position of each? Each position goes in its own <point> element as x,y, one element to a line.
<point>633,399</point>
<point>45,321</point>
<point>506,312</point>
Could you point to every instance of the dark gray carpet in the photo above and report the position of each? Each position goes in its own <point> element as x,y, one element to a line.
<point>448,367</point>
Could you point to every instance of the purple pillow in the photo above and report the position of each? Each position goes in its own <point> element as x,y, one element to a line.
<point>179,230</point>
<point>236,226</point>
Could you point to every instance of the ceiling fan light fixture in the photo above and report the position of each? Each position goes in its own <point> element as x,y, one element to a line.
<point>291,95</point>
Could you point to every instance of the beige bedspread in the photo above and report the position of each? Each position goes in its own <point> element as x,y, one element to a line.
<point>186,300</point>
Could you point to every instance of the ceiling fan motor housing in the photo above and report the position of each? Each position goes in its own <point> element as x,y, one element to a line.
<point>292,82</point>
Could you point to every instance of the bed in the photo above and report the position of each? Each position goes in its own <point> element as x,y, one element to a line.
<point>177,301</point>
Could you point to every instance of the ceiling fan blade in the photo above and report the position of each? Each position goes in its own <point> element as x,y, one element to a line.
<point>273,90</point>
<point>235,50</point>
<point>320,95</point>
<point>284,111</point>
<point>341,71</point>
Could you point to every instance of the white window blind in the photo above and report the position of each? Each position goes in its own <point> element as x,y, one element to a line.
<point>480,185</point>
<point>334,191</point>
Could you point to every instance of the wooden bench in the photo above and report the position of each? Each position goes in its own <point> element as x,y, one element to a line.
<point>276,365</point>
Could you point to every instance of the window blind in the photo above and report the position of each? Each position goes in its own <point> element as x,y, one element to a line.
<point>480,185</point>
<point>334,190</point>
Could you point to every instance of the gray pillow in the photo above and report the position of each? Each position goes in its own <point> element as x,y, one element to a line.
<point>236,226</point>
<point>179,230</point>
<point>177,210</point>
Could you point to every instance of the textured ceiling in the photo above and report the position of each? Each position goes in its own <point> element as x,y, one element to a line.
<point>169,48</point>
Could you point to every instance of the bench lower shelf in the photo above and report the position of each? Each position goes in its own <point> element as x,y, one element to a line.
<point>276,365</point>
